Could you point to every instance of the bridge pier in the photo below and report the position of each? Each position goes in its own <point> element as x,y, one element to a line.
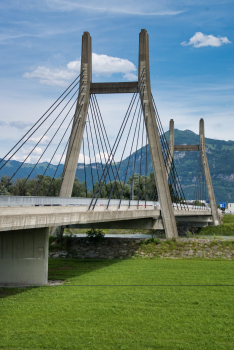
<point>24,256</point>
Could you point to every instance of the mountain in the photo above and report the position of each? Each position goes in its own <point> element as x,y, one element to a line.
<point>220,156</point>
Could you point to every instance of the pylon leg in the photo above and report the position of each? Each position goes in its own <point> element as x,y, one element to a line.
<point>160,174</point>
<point>70,165</point>
<point>202,148</point>
<point>75,140</point>
<point>170,151</point>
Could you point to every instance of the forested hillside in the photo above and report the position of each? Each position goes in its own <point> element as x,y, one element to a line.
<point>220,157</point>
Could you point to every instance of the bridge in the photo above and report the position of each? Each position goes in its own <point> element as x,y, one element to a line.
<point>122,195</point>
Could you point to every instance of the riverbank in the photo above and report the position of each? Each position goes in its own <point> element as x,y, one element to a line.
<point>123,248</point>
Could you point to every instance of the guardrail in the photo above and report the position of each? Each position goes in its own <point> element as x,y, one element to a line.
<point>27,201</point>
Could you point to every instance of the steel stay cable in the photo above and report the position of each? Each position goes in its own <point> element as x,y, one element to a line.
<point>165,147</point>
<point>90,129</point>
<point>94,120</point>
<point>116,141</point>
<point>76,120</point>
<point>48,146</point>
<point>56,147</point>
<point>38,125</point>
<point>103,125</point>
<point>196,186</point>
<point>37,143</point>
<point>141,160</point>
<point>97,124</point>
<point>156,122</point>
<point>84,168</point>
<point>174,172</point>
<point>114,148</point>
<point>65,165</point>
<point>73,118</point>
<point>146,139</point>
<point>133,172</point>
<point>122,158</point>
<point>87,137</point>
<point>128,158</point>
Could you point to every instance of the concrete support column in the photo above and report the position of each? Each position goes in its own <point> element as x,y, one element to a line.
<point>170,151</point>
<point>24,256</point>
<point>202,148</point>
<point>78,126</point>
<point>160,174</point>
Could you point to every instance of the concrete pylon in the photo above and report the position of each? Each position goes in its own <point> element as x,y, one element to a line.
<point>170,150</point>
<point>70,165</point>
<point>202,148</point>
<point>160,174</point>
<point>75,140</point>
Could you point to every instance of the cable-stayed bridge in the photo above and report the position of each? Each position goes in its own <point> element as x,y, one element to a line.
<point>139,193</point>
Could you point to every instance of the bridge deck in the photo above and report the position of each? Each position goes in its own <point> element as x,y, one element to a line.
<point>17,218</point>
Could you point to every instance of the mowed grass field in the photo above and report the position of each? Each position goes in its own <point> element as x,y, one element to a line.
<point>128,304</point>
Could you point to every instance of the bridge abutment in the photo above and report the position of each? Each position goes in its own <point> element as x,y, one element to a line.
<point>24,256</point>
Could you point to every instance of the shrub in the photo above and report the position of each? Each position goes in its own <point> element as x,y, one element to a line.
<point>95,235</point>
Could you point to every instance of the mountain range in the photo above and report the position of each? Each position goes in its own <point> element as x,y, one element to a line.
<point>220,156</point>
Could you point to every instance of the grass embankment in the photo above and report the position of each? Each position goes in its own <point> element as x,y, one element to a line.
<point>128,304</point>
<point>186,248</point>
<point>225,229</point>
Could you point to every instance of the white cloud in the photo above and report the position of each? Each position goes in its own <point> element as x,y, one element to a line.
<point>107,65</point>
<point>82,158</point>
<point>36,151</point>
<point>56,159</point>
<point>120,7</point>
<point>44,140</point>
<point>131,76</point>
<point>101,65</point>
<point>105,157</point>
<point>16,124</point>
<point>201,40</point>
<point>53,77</point>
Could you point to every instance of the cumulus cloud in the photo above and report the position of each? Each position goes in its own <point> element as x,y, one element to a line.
<point>102,65</point>
<point>16,124</point>
<point>44,140</point>
<point>83,158</point>
<point>107,65</point>
<point>202,40</point>
<point>105,157</point>
<point>53,77</point>
<point>36,151</point>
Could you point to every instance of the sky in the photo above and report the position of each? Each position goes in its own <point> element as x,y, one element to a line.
<point>191,47</point>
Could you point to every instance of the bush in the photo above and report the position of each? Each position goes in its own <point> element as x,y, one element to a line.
<point>95,235</point>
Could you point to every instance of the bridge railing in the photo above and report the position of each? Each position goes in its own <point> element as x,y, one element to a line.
<point>18,201</point>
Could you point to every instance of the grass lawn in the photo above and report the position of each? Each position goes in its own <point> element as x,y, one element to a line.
<point>127,304</point>
<point>225,229</point>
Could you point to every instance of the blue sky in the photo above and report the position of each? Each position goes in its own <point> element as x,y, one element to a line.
<point>191,59</point>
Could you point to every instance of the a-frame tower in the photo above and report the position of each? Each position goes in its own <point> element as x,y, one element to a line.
<point>87,88</point>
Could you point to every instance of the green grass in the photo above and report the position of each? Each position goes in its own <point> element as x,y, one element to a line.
<point>128,304</point>
<point>225,229</point>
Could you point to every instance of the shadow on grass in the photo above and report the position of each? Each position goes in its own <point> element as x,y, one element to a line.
<point>11,291</point>
<point>65,269</point>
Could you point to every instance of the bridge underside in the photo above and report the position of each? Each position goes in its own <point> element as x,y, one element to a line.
<point>145,224</point>
<point>19,218</point>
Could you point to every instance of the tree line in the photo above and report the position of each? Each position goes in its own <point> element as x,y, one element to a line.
<point>136,187</point>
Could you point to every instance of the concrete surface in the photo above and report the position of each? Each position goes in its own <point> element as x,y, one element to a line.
<point>24,256</point>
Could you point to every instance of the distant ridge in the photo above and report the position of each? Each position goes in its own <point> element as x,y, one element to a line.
<point>220,157</point>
